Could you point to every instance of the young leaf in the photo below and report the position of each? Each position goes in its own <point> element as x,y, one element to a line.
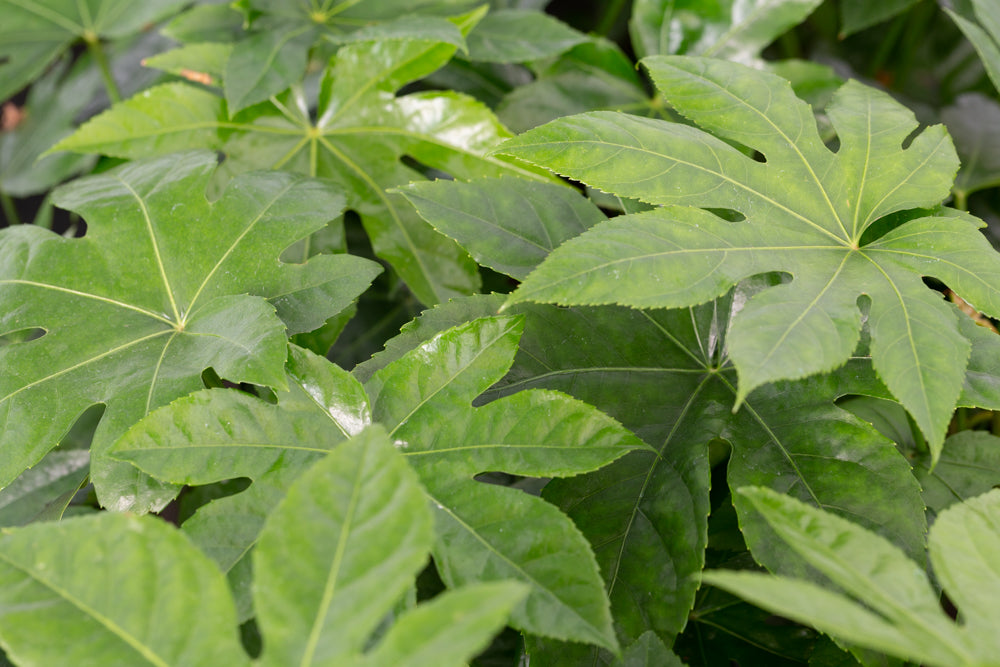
<point>113,589</point>
<point>274,55</point>
<point>360,136</point>
<point>134,312</point>
<point>487,532</point>
<point>33,34</point>
<point>807,212</point>
<point>728,29</point>
<point>882,599</point>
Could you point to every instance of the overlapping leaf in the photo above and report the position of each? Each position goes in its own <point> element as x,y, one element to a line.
<point>666,375</point>
<point>134,312</point>
<point>36,32</point>
<point>336,556</point>
<point>485,532</point>
<point>816,214</point>
<point>359,138</point>
<point>881,599</point>
<point>981,26</point>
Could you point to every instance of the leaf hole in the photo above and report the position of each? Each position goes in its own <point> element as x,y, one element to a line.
<point>21,336</point>
<point>727,214</point>
<point>425,170</point>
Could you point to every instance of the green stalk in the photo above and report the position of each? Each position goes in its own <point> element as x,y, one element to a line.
<point>9,210</point>
<point>96,50</point>
<point>610,17</point>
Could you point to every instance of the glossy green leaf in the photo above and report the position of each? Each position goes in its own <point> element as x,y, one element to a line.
<point>113,589</point>
<point>507,224</point>
<point>134,312</point>
<point>727,29</point>
<point>969,465</point>
<point>359,137</point>
<point>36,32</point>
<point>511,35</point>
<point>204,62</point>
<point>219,23</point>
<point>487,532</point>
<point>807,211</point>
<point>856,15</point>
<point>274,55</point>
<point>881,599</point>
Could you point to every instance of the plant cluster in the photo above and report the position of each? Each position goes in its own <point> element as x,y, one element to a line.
<point>443,332</point>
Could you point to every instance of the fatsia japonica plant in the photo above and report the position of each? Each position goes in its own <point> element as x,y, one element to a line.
<point>721,310</point>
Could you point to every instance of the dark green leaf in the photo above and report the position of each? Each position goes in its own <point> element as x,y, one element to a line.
<point>507,224</point>
<point>510,35</point>
<point>856,15</point>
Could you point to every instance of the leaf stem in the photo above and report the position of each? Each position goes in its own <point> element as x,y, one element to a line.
<point>101,58</point>
<point>610,17</point>
<point>9,209</point>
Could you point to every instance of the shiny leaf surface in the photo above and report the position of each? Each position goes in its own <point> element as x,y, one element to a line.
<point>358,139</point>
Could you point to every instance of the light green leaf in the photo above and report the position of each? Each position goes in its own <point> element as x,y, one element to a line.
<point>36,32</point>
<point>885,601</point>
<point>357,528</point>
<point>727,29</point>
<point>856,15</point>
<point>449,629</point>
<point>507,224</point>
<point>361,133</point>
<point>134,312</point>
<point>131,604</point>
<point>221,434</point>
<point>487,532</point>
<point>807,211</point>
<point>204,62</point>
<point>512,35</point>
<point>964,544</point>
<point>275,53</point>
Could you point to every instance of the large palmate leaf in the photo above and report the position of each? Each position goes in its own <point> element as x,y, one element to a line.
<point>880,598</point>
<point>359,138</point>
<point>33,33</point>
<point>667,376</point>
<point>134,312</point>
<point>485,532</point>
<point>729,29</point>
<point>823,217</point>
